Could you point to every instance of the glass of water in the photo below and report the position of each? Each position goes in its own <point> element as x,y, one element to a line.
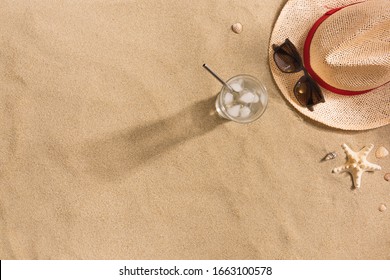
<point>246,104</point>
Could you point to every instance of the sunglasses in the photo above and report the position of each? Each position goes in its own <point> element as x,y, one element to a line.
<point>288,60</point>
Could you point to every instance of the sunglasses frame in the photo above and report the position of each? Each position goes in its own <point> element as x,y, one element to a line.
<point>294,54</point>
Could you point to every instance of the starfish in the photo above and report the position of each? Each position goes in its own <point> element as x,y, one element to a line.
<point>357,164</point>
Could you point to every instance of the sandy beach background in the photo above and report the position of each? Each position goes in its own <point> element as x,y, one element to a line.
<point>110,147</point>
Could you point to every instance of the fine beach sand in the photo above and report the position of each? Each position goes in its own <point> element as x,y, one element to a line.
<point>110,147</point>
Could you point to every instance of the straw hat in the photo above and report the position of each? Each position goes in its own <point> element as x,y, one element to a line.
<point>347,52</point>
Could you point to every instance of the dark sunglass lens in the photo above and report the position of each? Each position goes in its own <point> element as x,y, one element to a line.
<point>316,94</point>
<point>302,91</point>
<point>307,92</point>
<point>287,59</point>
<point>290,48</point>
<point>286,63</point>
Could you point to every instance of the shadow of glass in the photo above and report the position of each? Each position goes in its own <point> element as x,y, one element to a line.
<point>116,155</point>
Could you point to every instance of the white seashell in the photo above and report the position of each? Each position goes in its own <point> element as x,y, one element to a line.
<point>330,156</point>
<point>382,208</point>
<point>237,28</point>
<point>381,152</point>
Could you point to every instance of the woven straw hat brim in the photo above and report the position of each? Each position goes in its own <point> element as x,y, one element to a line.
<point>358,112</point>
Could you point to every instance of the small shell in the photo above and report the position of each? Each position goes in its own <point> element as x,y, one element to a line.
<point>387,176</point>
<point>382,208</point>
<point>381,152</point>
<point>237,28</point>
<point>330,156</point>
